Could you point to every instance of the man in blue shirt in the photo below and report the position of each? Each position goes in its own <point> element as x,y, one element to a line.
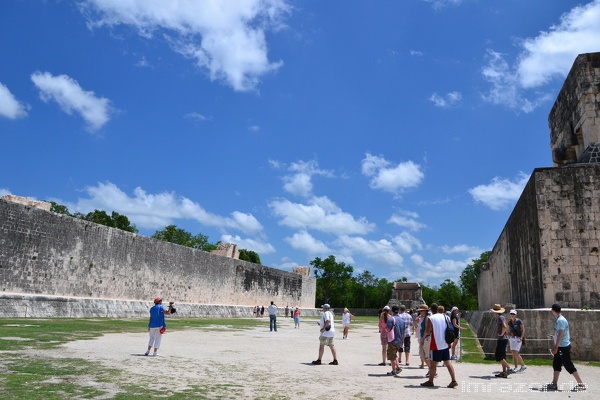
<point>156,325</point>
<point>562,352</point>
<point>395,324</point>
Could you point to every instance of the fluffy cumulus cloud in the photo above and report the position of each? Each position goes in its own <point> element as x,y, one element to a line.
<point>4,192</point>
<point>381,251</point>
<point>498,194</point>
<point>446,101</point>
<point>407,243</point>
<point>542,58</point>
<point>305,242</point>
<point>153,211</point>
<point>226,37</point>
<point>439,271</point>
<point>321,214</point>
<point>391,177</point>
<point>462,249</point>
<point>299,182</point>
<point>407,220</point>
<point>10,107</point>
<point>67,93</point>
<point>255,245</point>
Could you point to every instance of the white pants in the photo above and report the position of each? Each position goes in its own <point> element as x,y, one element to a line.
<point>155,338</point>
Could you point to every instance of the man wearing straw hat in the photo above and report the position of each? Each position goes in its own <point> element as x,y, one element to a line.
<point>502,340</point>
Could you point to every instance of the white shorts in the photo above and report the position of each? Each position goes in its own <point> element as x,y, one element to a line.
<point>346,325</point>
<point>514,343</point>
<point>155,337</point>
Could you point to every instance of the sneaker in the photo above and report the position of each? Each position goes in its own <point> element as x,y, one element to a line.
<point>390,373</point>
<point>427,384</point>
<point>453,384</point>
<point>511,371</point>
<point>155,355</point>
<point>146,353</point>
<point>334,362</point>
<point>383,364</point>
<point>454,357</point>
<point>407,364</point>
<point>580,387</point>
<point>550,386</point>
<point>316,362</point>
<point>523,368</point>
<point>422,366</point>
<point>501,375</point>
<point>398,370</point>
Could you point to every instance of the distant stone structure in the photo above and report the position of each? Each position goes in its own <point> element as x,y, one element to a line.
<point>408,294</point>
<point>61,260</point>
<point>227,250</point>
<point>42,205</point>
<point>303,271</point>
<point>549,250</point>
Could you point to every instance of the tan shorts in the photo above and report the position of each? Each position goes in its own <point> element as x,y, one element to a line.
<point>325,341</point>
<point>424,345</point>
<point>392,351</point>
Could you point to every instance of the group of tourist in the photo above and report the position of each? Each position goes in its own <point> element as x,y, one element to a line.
<point>431,323</point>
<point>431,326</point>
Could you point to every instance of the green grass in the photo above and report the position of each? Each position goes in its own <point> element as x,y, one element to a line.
<point>472,352</point>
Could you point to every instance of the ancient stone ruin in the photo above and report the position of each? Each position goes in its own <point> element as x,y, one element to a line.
<point>549,250</point>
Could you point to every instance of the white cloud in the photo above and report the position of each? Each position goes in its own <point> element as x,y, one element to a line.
<point>72,98</point>
<point>500,192</point>
<point>254,128</point>
<point>381,251</point>
<point>449,100</point>
<point>407,221</point>
<point>319,214</point>
<point>4,192</point>
<point>300,182</point>
<point>505,89</point>
<point>152,211</point>
<point>197,116</point>
<point>226,37</point>
<point>305,242</point>
<point>10,107</point>
<point>405,242</point>
<point>551,53</point>
<point>462,249</point>
<point>544,57</point>
<point>257,246</point>
<point>389,177</point>
<point>442,270</point>
<point>416,53</point>
<point>439,4</point>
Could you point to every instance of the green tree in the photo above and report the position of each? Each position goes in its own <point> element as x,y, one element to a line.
<point>449,295</point>
<point>249,255</point>
<point>173,234</point>
<point>59,208</point>
<point>333,280</point>
<point>468,281</point>
<point>115,220</point>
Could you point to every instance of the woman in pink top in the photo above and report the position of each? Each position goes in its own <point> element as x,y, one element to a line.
<point>383,317</point>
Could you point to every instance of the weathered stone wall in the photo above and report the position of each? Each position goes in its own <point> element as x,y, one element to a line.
<point>51,254</point>
<point>549,251</point>
<point>583,327</point>
<point>575,117</point>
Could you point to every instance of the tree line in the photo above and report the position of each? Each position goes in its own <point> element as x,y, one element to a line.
<point>336,285</point>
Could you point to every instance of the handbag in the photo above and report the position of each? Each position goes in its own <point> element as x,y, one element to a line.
<point>449,335</point>
<point>391,335</point>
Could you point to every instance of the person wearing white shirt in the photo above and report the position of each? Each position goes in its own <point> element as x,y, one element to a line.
<point>327,330</point>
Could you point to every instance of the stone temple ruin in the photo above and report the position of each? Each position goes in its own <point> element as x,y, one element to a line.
<point>549,250</point>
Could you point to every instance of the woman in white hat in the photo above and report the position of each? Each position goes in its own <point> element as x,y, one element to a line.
<point>515,340</point>
<point>455,320</point>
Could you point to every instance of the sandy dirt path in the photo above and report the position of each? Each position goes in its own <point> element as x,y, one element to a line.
<point>258,364</point>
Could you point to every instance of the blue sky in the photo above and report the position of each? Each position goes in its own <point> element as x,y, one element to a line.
<point>395,135</point>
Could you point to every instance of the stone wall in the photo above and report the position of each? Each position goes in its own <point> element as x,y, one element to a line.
<point>549,250</point>
<point>46,253</point>
<point>575,117</point>
<point>583,327</point>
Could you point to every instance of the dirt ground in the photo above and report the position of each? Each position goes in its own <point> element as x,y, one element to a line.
<point>258,364</point>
